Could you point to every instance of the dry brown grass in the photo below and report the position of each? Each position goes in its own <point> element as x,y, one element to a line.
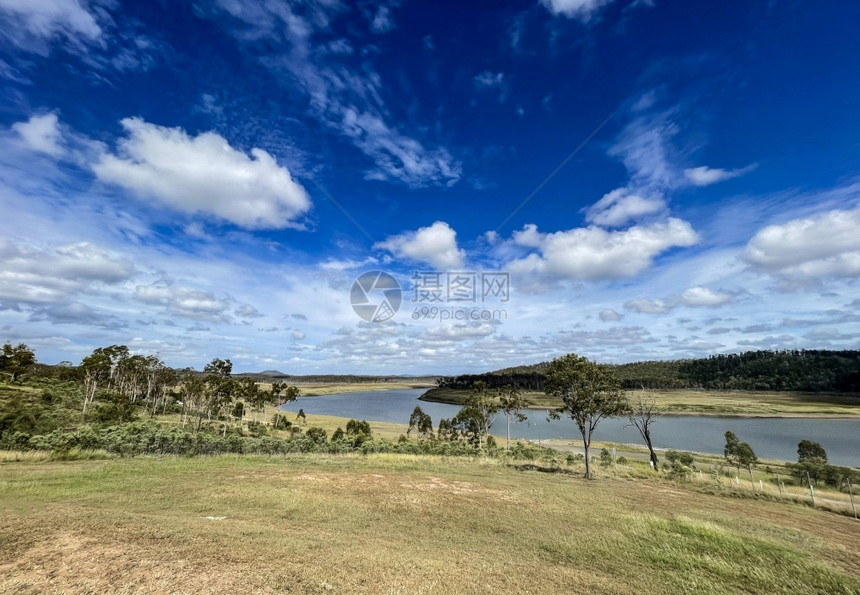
<point>398,524</point>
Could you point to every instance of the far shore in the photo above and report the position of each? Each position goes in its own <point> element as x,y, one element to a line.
<point>687,403</point>
<point>676,403</point>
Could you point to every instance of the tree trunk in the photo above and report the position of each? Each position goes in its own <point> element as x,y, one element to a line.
<point>508,443</point>
<point>587,461</point>
<point>653,455</point>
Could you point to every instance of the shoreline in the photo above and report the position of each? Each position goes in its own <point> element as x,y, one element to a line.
<point>670,413</point>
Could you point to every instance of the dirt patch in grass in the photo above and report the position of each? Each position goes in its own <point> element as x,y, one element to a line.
<point>71,563</point>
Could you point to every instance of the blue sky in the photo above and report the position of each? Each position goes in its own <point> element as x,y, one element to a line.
<point>207,179</point>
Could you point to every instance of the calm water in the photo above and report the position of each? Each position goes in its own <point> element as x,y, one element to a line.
<point>769,437</point>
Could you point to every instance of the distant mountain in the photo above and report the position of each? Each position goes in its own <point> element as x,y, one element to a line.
<point>271,373</point>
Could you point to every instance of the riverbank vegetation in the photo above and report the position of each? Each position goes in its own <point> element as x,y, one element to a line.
<point>805,371</point>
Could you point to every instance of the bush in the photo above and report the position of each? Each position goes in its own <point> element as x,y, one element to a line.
<point>605,458</point>
<point>316,435</point>
<point>683,458</point>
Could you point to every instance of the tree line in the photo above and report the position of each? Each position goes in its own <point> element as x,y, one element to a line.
<point>786,370</point>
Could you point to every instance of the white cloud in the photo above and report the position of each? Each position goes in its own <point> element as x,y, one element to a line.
<point>704,297</point>
<point>620,206</point>
<point>41,134</point>
<point>822,245</point>
<point>435,245</point>
<point>705,176</point>
<point>490,79</point>
<point>184,301</point>
<point>593,253</point>
<point>576,9</point>
<point>247,311</point>
<point>45,19</point>
<point>382,21</point>
<point>493,81</point>
<point>32,275</point>
<point>694,297</point>
<point>610,315</point>
<point>397,156</point>
<point>349,103</point>
<point>643,306</point>
<point>645,148</point>
<point>204,174</point>
<point>456,332</point>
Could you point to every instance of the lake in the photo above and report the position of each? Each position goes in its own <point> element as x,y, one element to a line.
<point>775,438</point>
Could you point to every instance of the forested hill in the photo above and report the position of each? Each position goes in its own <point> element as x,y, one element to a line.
<point>795,370</point>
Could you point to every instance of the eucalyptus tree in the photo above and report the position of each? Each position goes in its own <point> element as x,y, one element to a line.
<point>220,388</point>
<point>96,368</point>
<point>193,389</point>
<point>421,423</point>
<point>642,413</point>
<point>511,403</point>
<point>482,408</point>
<point>589,392</point>
<point>16,360</point>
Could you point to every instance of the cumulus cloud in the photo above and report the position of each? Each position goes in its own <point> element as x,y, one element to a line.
<point>704,297</point>
<point>694,297</point>
<point>204,174</point>
<point>247,311</point>
<point>41,134</point>
<point>46,134</point>
<point>47,19</point>
<point>705,176</point>
<point>827,244</point>
<point>75,313</point>
<point>184,301</point>
<point>435,245</point>
<point>645,306</point>
<point>610,315</point>
<point>583,10</point>
<point>620,206</point>
<point>31,275</point>
<point>458,332</point>
<point>592,253</point>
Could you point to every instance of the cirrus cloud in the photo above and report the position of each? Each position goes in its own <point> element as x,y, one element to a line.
<point>705,176</point>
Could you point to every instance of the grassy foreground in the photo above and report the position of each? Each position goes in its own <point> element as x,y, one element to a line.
<point>702,402</point>
<point>398,524</point>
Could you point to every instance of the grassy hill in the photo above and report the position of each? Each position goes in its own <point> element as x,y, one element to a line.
<point>397,524</point>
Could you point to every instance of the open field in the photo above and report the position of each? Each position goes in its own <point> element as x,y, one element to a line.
<point>391,524</point>
<point>692,402</point>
